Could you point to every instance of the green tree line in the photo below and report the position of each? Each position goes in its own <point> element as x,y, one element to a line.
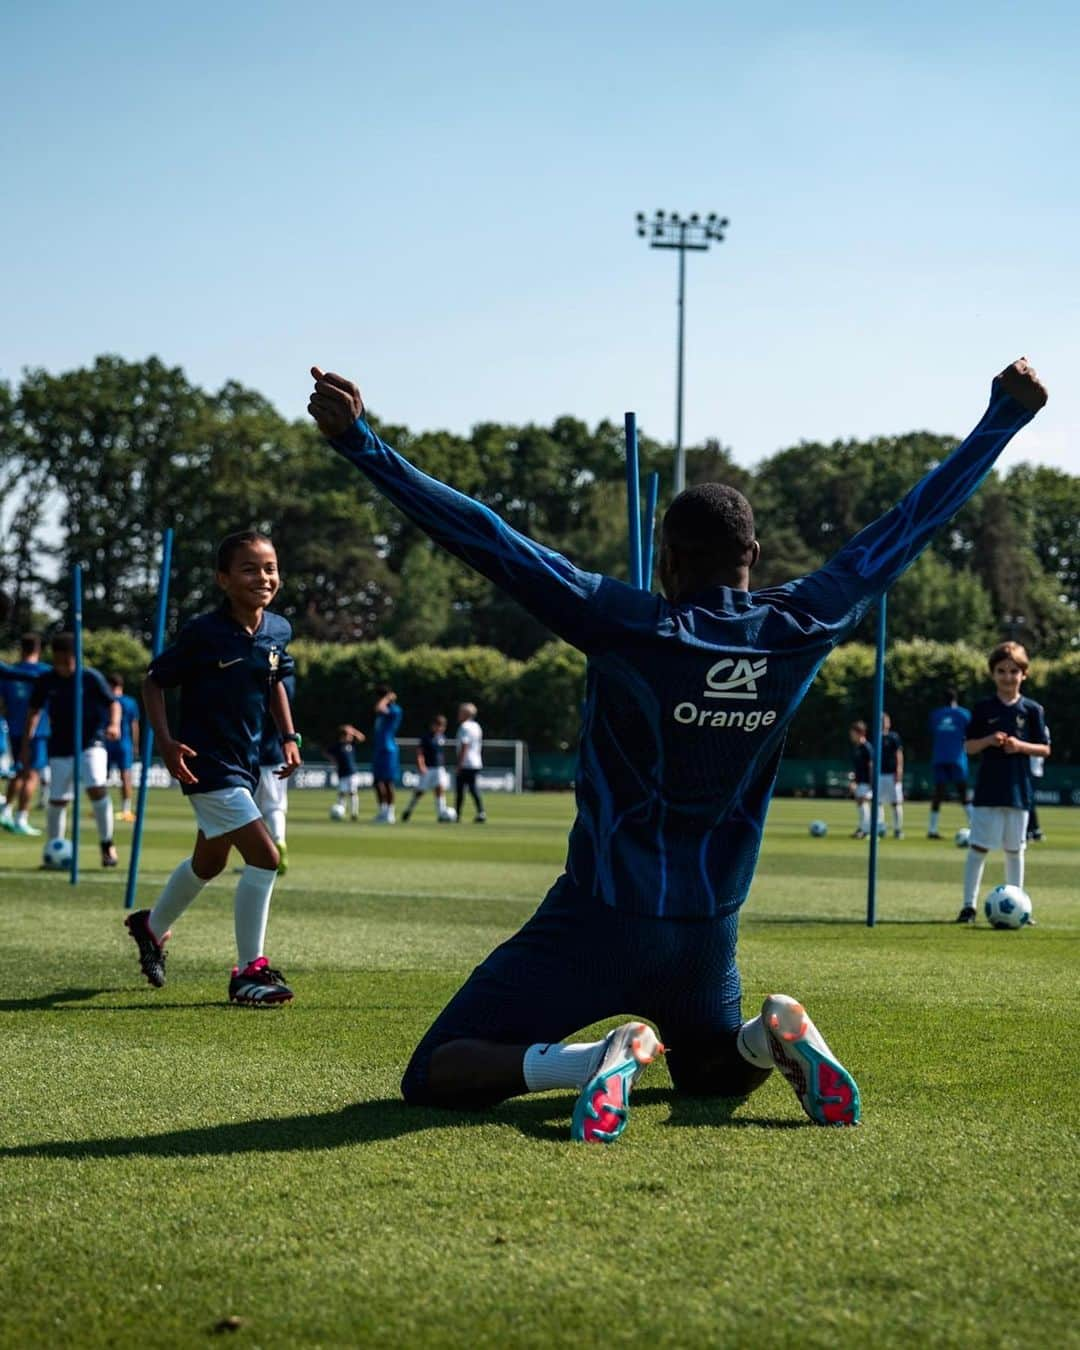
<point>95,463</point>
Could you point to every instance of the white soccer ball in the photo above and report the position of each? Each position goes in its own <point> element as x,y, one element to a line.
<point>58,855</point>
<point>1008,907</point>
<point>449,815</point>
<point>962,838</point>
<point>337,811</point>
<point>818,829</point>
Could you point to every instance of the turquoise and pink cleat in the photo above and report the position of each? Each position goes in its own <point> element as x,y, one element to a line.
<point>825,1089</point>
<point>603,1108</point>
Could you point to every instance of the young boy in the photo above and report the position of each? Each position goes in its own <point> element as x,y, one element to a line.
<point>229,666</point>
<point>100,723</point>
<point>386,764</point>
<point>948,728</point>
<point>122,752</point>
<point>15,690</point>
<point>431,764</point>
<point>689,697</point>
<point>1008,731</point>
<point>470,760</point>
<point>891,778</point>
<point>862,766</point>
<point>348,777</point>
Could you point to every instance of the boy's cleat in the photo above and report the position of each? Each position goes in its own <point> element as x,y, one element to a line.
<point>151,951</point>
<point>933,836</point>
<point>859,834</point>
<point>898,834</point>
<point>128,817</point>
<point>7,823</point>
<point>966,915</point>
<point>481,819</point>
<point>258,986</point>
<point>108,855</point>
<point>603,1108</point>
<point>283,856</point>
<point>21,827</point>
<point>825,1089</point>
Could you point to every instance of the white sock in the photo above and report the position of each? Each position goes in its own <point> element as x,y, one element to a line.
<point>898,818</point>
<point>559,1065</point>
<point>935,821</point>
<point>55,821</point>
<point>967,810</point>
<point>126,807</point>
<point>1014,869</point>
<point>5,811</point>
<point>391,819</point>
<point>22,817</point>
<point>864,817</point>
<point>103,818</point>
<point>354,804</point>
<point>275,823</point>
<point>973,870</point>
<point>252,911</point>
<point>752,1043</point>
<point>179,891</point>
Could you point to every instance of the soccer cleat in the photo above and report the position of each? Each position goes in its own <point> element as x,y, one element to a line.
<point>966,915</point>
<point>258,986</point>
<point>7,823</point>
<point>128,817</point>
<point>859,834</point>
<point>151,951</point>
<point>283,857</point>
<point>108,854</point>
<point>20,827</point>
<point>481,819</point>
<point>825,1089</point>
<point>603,1107</point>
<point>933,836</point>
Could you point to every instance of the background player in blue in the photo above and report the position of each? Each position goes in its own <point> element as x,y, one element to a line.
<point>229,666</point>
<point>948,730</point>
<point>122,752</point>
<point>15,693</point>
<point>386,761</point>
<point>100,723</point>
<point>343,753</point>
<point>431,765</point>
<point>1006,731</point>
<point>689,697</point>
<point>891,779</point>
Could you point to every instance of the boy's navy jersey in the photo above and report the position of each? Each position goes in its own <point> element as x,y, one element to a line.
<point>1005,780</point>
<point>129,715</point>
<point>344,758</point>
<point>433,748</point>
<point>687,703</point>
<point>271,747</point>
<point>949,728</point>
<point>891,745</point>
<point>16,688</point>
<point>862,762</point>
<point>224,674</point>
<point>58,694</point>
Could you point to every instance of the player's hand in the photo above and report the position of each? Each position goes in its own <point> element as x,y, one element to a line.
<point>175,753</point>
<point>335,403</point>
<point>112,733</point>
<point>292,760</point>
<point>1011,746</point>
<point>999,738</point>
<point>1021,383</point>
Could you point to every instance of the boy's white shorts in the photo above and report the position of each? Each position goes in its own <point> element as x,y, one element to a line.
<point>272,793</point>
<point>890,790</point>
<point>434,778</point>
<point>862,792</point>
<point>349,783</point>
<point>224,810</point>
<point>93,773</point>
<point>999,827</point>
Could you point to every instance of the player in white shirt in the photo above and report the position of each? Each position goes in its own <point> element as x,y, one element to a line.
<point>470,740</point>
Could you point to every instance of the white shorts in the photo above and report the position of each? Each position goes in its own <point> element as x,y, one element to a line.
<point>93,773</point>
<point>224,810</point>
<point>434,778</point>
<point>999,827</point>
<point>890,790</point>
<point>349,783</point>
<point>862,792</point>
<point>272,792</point>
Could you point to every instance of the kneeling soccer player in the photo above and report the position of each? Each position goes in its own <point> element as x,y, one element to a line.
<point>689,697</point>
<point>230,666</point>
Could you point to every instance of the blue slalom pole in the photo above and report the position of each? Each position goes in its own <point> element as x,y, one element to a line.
<point>648,528</point>
<point>147,748</point>
<point>633,498</point>
<point>875,781</point>
<point>76,610</point>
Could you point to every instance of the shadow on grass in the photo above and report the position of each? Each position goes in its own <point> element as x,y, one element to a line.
<point>59,999</point>
<point>372,1122</point>
<point>56,999</point>
<point>745,918</point>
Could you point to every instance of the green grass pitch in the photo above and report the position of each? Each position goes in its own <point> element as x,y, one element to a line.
<point>168,1162</point>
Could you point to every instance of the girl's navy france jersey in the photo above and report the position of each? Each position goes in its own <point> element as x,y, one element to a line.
<point>687,704</point>
<point>224,674</point>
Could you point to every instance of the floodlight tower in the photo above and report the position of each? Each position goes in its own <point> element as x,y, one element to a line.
<point>670,230</point>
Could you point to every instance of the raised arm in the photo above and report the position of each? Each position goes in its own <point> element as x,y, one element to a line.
<point>572,603</point>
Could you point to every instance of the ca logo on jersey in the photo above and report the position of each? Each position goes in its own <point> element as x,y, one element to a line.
<point>735,679</point>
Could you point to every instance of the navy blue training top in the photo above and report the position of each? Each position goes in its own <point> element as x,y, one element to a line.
<point>58,692</point>
<point>344,757</point>
<point>224,674</point>
<point>862,761</point>
<point>891,745</point>
<point>433,748</point>
<point>15,690</point>
<point>687,704</point>
<point>1005,780</point>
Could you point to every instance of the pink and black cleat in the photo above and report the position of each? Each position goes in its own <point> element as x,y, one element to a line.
<point>603,1108</point>
<point>258,985</point>
<point>825,1089</point>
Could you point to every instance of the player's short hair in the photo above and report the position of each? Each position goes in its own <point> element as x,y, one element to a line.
<point>63,642</point>
<point>859,726</point>
<point>381,690</point>
<point>951,693</point>
<point>30,644</point>
<point>469,709</point>
<point>439,717</point>
<point>711,523</point>
<point>231,545</point>
<point>1009,651</point>
<point>117,679</point>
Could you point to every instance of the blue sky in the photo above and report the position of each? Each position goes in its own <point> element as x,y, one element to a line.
<point>439,199</point>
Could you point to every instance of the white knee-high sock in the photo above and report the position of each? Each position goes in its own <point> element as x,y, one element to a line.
<point>275,823</point>
<point>1014,869</point>
<point>55,821</point>
<point>560,1065</point>
<point>252,912</point>
<point>179,891</point>
<point>354,804</point>
<point>103,818</point>
<point>864,817</point>
<point>898,817</point>
<point>935,821</point>
<point>973,870</point>
<point>752,1043</point>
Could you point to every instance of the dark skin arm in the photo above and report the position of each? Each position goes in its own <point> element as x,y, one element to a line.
<point>282,715</point>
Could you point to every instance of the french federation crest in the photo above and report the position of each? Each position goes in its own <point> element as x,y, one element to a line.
<point>274,657</point>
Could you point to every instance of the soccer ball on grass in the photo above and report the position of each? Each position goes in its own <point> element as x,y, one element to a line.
<point>818,829</point>
<point>58,855</point>
<point>337,811</point>
<point>1008,907</point>
<point>962,838</point>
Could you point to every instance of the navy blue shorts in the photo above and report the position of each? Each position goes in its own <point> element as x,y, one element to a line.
<point>578,961</point>
<point>950,773</point>
<point>386,767</point>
